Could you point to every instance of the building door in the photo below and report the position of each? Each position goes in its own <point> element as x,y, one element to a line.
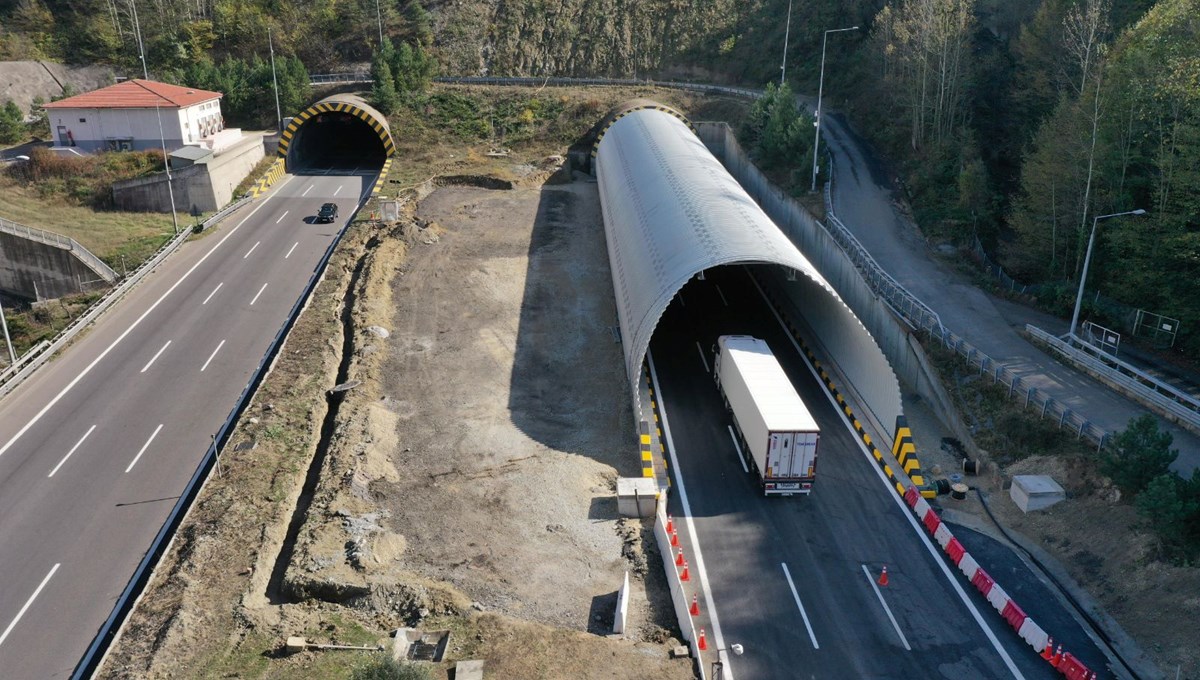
<point>62,135</point>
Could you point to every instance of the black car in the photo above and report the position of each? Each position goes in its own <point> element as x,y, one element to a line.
<point>327,213</point>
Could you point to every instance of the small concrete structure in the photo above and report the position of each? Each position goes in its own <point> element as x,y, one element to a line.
<point>413,645</point>
<point>471,669</point>
<point>1035,492</point>
<point>636,496</point>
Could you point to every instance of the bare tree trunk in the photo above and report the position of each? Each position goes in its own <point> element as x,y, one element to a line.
<point>1087,191</point>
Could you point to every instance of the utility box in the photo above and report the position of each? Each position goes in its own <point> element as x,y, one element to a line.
<point>1035,492</point>
<point>636,496</point>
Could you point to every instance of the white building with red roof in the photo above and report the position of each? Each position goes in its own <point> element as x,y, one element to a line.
<point>126,116</point>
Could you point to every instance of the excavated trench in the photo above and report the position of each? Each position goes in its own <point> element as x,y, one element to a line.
<point>277,591</point>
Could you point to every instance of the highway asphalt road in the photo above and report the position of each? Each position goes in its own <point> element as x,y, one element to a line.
<point>98,445</point>
<point>850,522</point>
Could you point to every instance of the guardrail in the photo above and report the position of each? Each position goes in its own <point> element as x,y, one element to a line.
<point>1184,408</point>
<point>59,241</point>
<point>129,597</point>
<point>33,359</point>
<point>348,77</point>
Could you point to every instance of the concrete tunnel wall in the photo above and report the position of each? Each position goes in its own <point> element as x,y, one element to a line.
<point>672,211</point>
<point>291,143</point>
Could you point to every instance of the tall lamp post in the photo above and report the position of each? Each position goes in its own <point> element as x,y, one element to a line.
<point>820,92</point>
<point>786,31</point>
<point>158,113</point>
<point>718,666</point>
<point>1087,259</point>
<point>12,356</point>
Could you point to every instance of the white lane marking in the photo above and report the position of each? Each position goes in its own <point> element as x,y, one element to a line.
<point>260,290</point>
<point>74,381</point>
<point>285,212</point>
<point>718,638</point>
<point>77,445</point>
<point>4,635</point>
<point>144,447</point>
<point>210,357</point>
<point>289,252</point>
<point>736,445</point>
<point>680,296</point>
<point>912,521</point>
<point>796,596</point>
<point>155,357</point>
<point>702,358</point>
<point>722,294</point>
<point>875,587</point>
<point>213,293</point>
<point>251,249</point>
<point>335,191</point>
<point>310,186</point>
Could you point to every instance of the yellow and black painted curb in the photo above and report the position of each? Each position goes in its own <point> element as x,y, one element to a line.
<point>332,106</point>
<point>269,178</point>
<point>647,434</point>
<point>911,467</point>
<point>383,173</point>
<point>638,107</point>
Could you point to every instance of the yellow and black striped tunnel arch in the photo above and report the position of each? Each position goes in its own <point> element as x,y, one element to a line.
<point>624,109</point>
<point>337,107</point>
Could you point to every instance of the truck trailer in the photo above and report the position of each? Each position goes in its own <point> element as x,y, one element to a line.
<point>776,434</point>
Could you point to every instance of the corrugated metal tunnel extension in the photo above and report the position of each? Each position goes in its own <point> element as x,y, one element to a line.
<point>339,123</point>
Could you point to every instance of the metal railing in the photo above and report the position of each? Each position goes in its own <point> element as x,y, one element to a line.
<point>59,241</point>
<point>347,77</point>
<point>1138,385</point>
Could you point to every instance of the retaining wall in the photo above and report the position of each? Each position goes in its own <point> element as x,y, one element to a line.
<point>41,271</point>
<point>203,186</point>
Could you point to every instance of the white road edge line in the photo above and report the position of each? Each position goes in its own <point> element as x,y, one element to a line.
<point>285,212</point>
<point>155,357</point>
<point>792,584</point>
<point>213,293</point>
<point>736,445</point>
<point>260,292</point>
<point>144,447</point>
<point>289,252</point>
<point>4,635</point>
<point>886,608</point>
<point>335,191</point>
<point>251,249</point>
<point>74,381</point>
<point>912,522</point>
<point>211,356</point>
<point>722,294</point>
<point>77,445</point>
<point>307,190</point>
<point>718,638</point>
<point>702,357</point>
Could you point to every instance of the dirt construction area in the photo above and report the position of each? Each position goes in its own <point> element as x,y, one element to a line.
<point>462,477</point>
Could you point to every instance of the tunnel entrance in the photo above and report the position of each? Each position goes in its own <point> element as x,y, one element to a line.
<point>341,132</point>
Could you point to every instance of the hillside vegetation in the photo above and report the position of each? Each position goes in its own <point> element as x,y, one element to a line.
<point>1012,122</point>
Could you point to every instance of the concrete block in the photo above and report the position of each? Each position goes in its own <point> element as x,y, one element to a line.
<point>1035,492</point>
<point>471,669</point>
<point>636,496</point>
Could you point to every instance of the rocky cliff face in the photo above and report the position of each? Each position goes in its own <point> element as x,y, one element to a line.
<point>615,38</point>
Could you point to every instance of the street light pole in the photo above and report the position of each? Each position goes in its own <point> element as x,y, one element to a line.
<point>786,32</point>
<point>12,356</point>
<point>379,20</point>
<point>820,92</point>
<point>275,82</point>
<point>1087,259</point>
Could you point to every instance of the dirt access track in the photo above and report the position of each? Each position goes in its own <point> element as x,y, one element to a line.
<point>466,482</point>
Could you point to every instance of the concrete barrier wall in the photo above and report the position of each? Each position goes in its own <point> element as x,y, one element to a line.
<point>870,360</point>
<point>40,271</point>
<point>204,186</point>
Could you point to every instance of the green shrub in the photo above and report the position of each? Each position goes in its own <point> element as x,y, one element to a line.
<point>1139,453</point>
<point>383,667</point>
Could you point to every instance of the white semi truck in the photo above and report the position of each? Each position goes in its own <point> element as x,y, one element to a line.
<point>776,434</point>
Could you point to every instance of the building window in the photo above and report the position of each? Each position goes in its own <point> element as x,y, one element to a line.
<point>83,120</point>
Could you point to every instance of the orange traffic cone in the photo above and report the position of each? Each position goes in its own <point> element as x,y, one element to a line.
<point>685,576</point>
<point>674,539</point>
<point>670,525</point>
<point>679,558</point>
<point>1048,650</point>
<point>1057,657</point>
<point>883,577</point>
<point>703,642</point>
<point>695,610</point>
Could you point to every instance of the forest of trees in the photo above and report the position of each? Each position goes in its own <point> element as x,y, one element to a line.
<point>1015,122</point>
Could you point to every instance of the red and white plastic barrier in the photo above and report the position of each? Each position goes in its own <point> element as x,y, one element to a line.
<point>1030,632</point>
